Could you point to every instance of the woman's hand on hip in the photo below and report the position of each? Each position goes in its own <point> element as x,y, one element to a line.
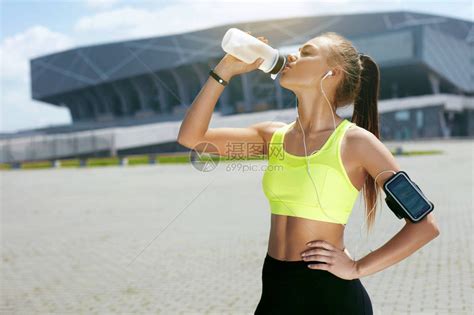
<point>337,261</point>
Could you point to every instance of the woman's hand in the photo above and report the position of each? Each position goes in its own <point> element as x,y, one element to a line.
<point>230,65</point>
<point>337,261</point>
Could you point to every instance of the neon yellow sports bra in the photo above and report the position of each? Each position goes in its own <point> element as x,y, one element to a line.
<point>288,186</point>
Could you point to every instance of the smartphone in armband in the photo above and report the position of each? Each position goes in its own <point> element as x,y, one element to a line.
<point>405,198</point>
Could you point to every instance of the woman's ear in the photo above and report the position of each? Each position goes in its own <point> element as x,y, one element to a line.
<point>336,72</point>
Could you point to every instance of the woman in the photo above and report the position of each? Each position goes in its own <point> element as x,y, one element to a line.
<point>307,267</point>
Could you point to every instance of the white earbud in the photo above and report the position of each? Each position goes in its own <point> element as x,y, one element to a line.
<point>329,73</point>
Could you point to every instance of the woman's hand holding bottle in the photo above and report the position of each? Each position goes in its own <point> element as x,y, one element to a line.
<point>230,66</point>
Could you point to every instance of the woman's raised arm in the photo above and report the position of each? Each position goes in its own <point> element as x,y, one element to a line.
<point>232,142</point>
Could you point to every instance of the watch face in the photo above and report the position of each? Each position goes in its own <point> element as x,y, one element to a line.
<point>411,199</point>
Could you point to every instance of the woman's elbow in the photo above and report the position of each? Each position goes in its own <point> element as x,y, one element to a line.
<point>427,226</point>
<point>432,225</point>
<point>186,142</point>
<point>436,231</point>
<point>189,138</point>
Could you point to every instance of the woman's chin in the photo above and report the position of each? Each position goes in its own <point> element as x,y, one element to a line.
<point>284,83</point>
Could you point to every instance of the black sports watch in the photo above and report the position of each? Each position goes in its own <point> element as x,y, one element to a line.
<point>218,78</point>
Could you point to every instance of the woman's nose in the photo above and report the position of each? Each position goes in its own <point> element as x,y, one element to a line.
<point>291,57</point>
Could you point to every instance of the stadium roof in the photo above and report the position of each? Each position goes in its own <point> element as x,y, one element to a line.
<point>392,38</point>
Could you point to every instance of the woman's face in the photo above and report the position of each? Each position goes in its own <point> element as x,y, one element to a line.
<point>307,67</point>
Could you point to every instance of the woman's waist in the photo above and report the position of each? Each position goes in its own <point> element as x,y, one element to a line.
<point>288,243</point>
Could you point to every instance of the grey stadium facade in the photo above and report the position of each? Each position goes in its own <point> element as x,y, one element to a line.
<point>130,97</point>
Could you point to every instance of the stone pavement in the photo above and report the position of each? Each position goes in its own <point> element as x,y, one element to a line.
<point>167,239</point>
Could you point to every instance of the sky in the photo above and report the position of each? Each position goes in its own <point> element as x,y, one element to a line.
<point>34,28</point>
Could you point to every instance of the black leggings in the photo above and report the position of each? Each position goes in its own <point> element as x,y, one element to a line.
<point>290,287</point>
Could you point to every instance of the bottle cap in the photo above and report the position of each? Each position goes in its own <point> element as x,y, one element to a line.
<point>279,65</point>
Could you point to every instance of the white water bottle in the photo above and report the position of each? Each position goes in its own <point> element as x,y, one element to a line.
<point>248,48</point>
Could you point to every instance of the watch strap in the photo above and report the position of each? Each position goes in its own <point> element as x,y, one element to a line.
<point>218,78</point>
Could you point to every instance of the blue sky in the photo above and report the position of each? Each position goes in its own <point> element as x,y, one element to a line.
<point>34,28</point>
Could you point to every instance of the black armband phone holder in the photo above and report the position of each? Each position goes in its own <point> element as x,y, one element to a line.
<point>401,190</point>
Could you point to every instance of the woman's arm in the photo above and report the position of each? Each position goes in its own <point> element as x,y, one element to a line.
<point>195,126</point>
<point>232,142</point>
<point>196,121</point>
<point>374,157</point>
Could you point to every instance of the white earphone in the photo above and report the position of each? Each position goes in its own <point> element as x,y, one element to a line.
<point>329,73</point>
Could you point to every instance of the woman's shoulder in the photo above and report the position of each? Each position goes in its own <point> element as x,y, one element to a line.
<point>268,128</point>
<point>360,141</point>
<point>358,133</point>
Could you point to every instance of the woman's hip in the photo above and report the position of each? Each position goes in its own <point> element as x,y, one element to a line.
<point>291,285</point>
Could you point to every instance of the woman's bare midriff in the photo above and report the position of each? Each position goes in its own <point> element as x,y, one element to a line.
<point>289,235</point>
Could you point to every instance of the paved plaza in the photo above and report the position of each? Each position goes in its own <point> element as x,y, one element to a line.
<point>168,239</point>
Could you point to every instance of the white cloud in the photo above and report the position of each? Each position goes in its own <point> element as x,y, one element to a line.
<point>130,22</point>
<point>117,19</point>
<point>18,110</point>
<point>100,4</point>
